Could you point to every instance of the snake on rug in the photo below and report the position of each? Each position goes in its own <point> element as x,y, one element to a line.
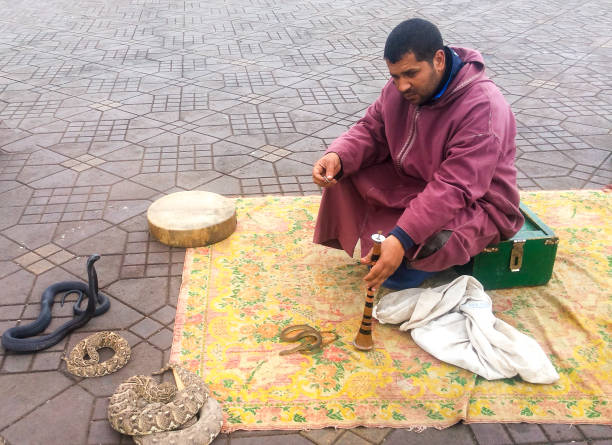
<point>301,332</point>
<point>17,338</point>
<point>140,406</point>
<point>202,432</point>
<point>78,364</point>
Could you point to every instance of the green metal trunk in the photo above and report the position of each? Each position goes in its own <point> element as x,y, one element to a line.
<point>526,259</point>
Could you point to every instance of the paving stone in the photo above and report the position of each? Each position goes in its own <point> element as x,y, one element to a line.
<point>288,167</point>
<point>110,241</point>
<point>558,432</point>
<point>16,197</point>
<point>65,178</point>
<point>596,431</point>
<point>456,434</point>
<point>40,267</point>
<point>53,422</point>
<point>175,288</point>
<point>146,327</point>
<point>165,315</point>
<point>563,183</point>
<point>17,287</point>
<point>156,181</point>
<point>526,432</point>
<point>158,258</point>
<point>16,362</point>
<point>348,438</point>
<point>119,211</point>
<point>16,402</point>
<point>100,432</point>
<point>7,268</point>
<point>28,259</point>
<point>60,257</point>
<point>47,250</point>
<point>32,236</point>
<point>133,271</point>
<point>375,435</point>
<point>178,256</point>
<point>589,156</point>
<point>325,436</point>
<point>162,339</point>
<point>11,312</point>
<point>100,408</point>
<point>130,190</point>
<point>135,259</point>
<point>9,249</point>
<point>10,217</point>
<point>221,439</point>
<point>31,174</point>
<point>490,433</point>
<point>122,169</point>
<point>47,361</point>
<point>140,247</point>
<point>146,294</point>
<point>223,185</point>
<point>191,180</point>
<point>156,247</point>
<point>176,270</point>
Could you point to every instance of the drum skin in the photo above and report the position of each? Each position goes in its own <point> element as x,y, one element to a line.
<point>191,218</point>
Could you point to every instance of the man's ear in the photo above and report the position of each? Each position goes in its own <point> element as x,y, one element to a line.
<point>439,61</point>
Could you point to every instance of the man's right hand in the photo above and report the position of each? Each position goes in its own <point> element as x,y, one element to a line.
<point>325,169</point>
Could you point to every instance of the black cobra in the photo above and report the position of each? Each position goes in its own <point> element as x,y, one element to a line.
<point>21,338</point>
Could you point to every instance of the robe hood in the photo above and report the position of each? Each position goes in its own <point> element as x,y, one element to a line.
<point>473,71</point>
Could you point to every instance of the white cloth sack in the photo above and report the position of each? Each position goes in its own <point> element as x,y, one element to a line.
<point>455,324</point>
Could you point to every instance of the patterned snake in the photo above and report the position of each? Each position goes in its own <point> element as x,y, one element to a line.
<point>202,432</point>
<point>164,408</point>
<point>17,338</point>
<point>78,364</point>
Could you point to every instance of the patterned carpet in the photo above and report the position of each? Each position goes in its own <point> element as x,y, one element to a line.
<point>238,295</point>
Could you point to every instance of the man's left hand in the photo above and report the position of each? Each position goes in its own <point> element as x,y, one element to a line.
<point>391,255</point>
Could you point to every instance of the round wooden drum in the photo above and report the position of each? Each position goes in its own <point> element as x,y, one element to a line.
<point>192,219</point>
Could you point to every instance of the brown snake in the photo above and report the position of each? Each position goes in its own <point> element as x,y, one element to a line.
<point>302,331</point>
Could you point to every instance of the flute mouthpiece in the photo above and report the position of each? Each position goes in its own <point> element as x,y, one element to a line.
<point>378,237</point>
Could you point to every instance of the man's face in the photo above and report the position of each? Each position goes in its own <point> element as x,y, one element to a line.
<point>417,81</point>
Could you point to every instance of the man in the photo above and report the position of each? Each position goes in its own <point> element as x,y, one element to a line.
<point>431,164</point>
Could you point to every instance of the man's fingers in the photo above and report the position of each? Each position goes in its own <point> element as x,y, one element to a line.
<point>323,183</point>
<point>325,169</point>
<point>321,175</point>
<point>377,275</point>
<point>317,175</point>
<point>367,259</point>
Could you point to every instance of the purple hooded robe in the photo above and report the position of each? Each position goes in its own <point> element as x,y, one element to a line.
<point>447,165</point>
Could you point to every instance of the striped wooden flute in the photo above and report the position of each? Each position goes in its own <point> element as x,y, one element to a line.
<point>363,341</point>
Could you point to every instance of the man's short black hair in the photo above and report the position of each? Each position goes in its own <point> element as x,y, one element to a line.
<point>417,36</point>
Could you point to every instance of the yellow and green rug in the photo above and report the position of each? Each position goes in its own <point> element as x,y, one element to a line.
<point>238,295</point>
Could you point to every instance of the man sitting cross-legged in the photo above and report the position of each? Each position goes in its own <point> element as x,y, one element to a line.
<point>431,164</point>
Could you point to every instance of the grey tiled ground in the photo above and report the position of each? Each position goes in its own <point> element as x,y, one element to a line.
<point>106,106</point>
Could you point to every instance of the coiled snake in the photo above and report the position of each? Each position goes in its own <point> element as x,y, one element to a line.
<point>202,432</point>
<point>17,338</point>
<point>301,332</point>
<point>78,364</point>
<point>164,408</point>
